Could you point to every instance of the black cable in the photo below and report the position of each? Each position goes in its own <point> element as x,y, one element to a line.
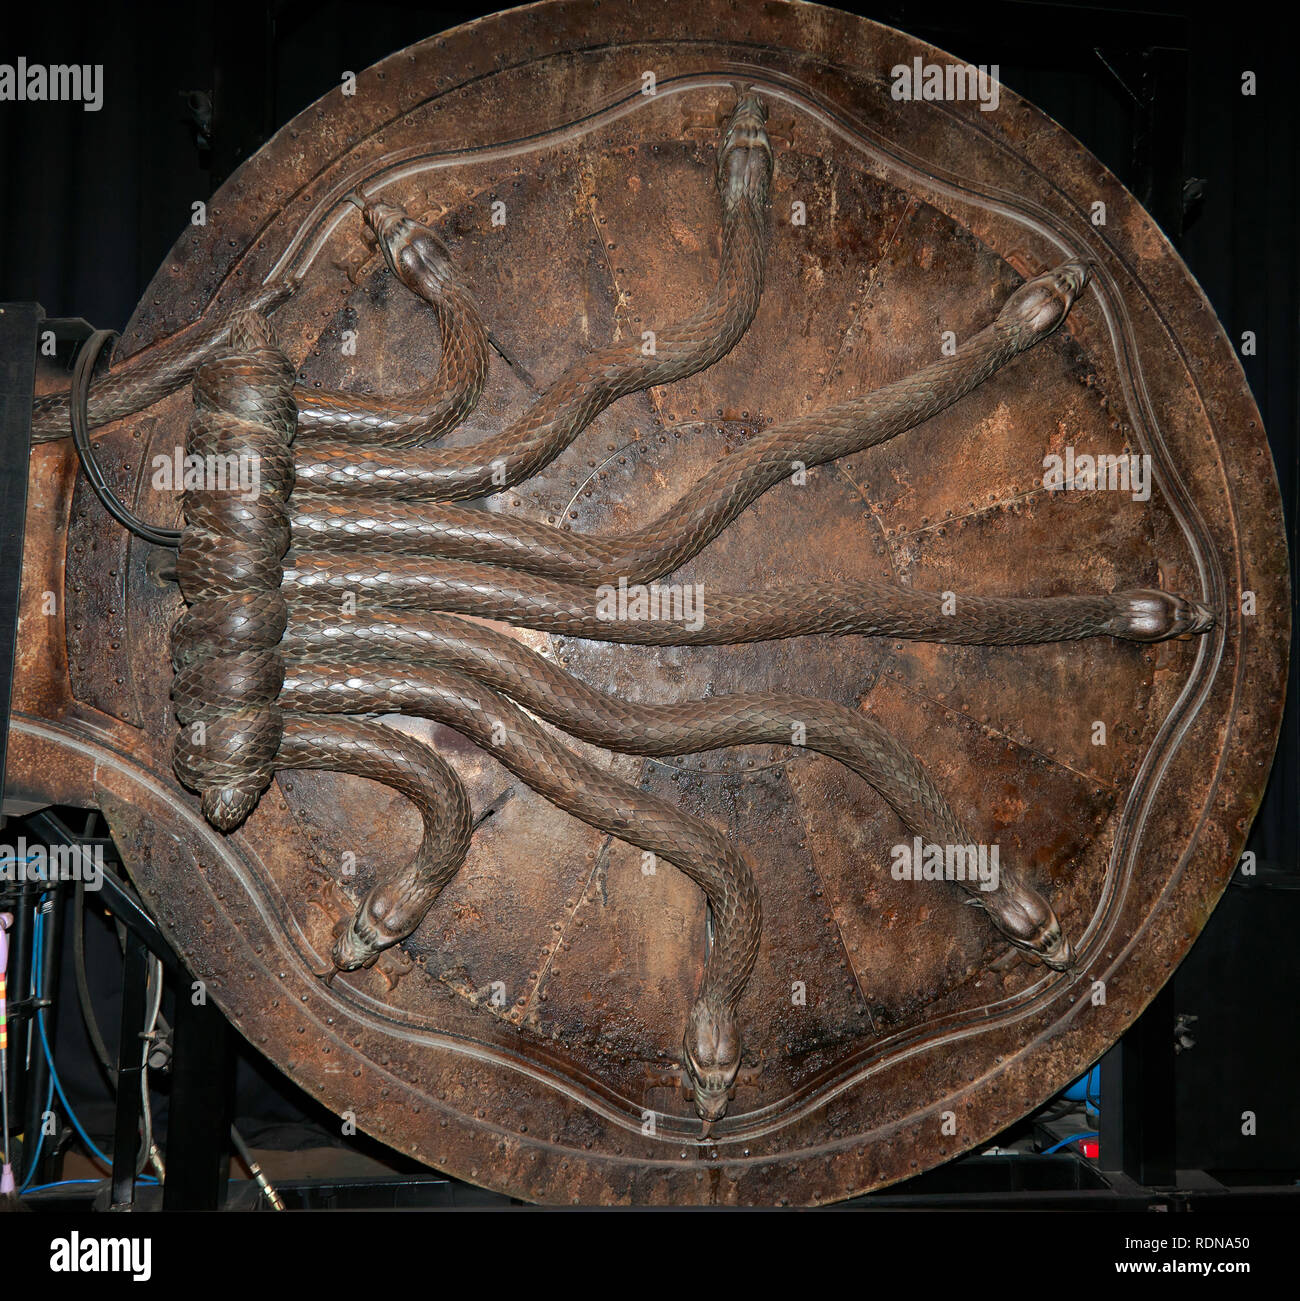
<point>1054,1110</point>
<point>88,1008</point>
<point>79,409</point>
<point>83,987</point>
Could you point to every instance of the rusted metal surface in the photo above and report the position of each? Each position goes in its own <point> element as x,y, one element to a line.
<point>522,1037</point>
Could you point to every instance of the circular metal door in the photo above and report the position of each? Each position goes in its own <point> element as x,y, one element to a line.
<point>527,1036</point>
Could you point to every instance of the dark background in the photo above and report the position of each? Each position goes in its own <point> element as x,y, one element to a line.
<point>92,202</point>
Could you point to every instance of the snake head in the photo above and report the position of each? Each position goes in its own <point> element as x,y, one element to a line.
<point>745,156</point>
<point>353,950</point>
<point>1027,920</point>
<point>413,252</point>
<point>1041,304</point>
<point>361,938</point>
<point>225,807</point>
<point>1148,614</point>
<point>712,1051</point>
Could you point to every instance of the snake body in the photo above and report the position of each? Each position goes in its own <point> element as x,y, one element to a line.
<point>153,374</point>
<point>499,662</point>
<point>326,521</point>
<point>596,380</point>
<point>417,257</point>
<point>397,903</point>
<point>580,787</point>
<point>706,617</point>
<point>360,506</point>
<point>225,647</point>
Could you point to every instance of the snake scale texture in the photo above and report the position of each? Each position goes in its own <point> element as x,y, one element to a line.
<point>337,595</point>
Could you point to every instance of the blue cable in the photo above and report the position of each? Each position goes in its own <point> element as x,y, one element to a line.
<point>67,1183</point>
<point>63,1098</point>
<point>1065,1142</point>
<point>62,1183</point>
<point>34,984</point>
<point>55,1082</point>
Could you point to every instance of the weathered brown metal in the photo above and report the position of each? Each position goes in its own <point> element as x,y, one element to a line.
<point>917,213</point>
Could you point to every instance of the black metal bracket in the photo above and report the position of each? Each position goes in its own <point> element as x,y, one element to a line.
<point>130,1068</point>
<point>1138,1118</point>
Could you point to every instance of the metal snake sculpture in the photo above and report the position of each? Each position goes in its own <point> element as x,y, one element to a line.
<point>352,502</point>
